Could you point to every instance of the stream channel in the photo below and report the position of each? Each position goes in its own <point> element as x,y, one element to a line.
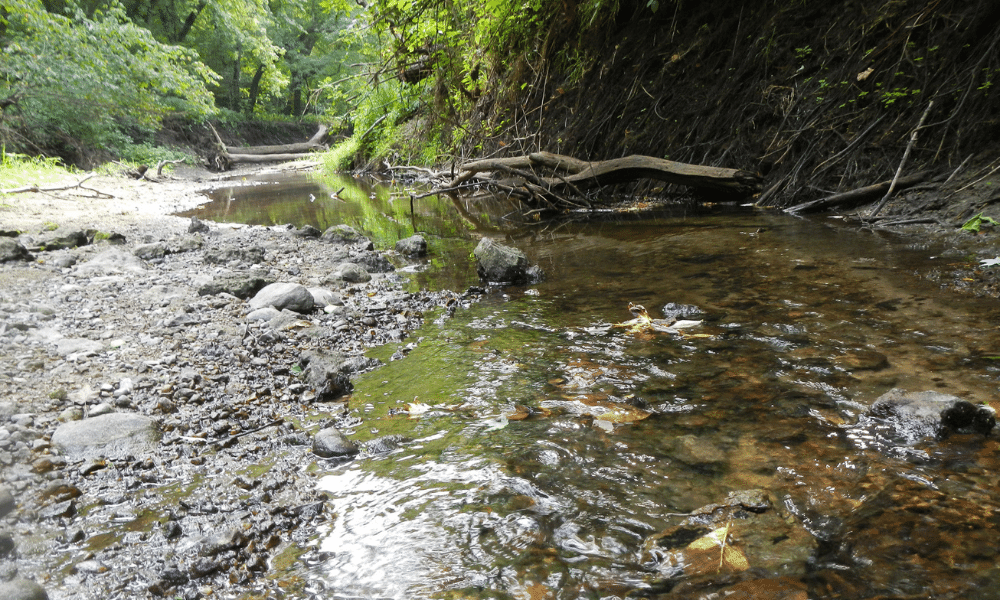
<point>550,448</point>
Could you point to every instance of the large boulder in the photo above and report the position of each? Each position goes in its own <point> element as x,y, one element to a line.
<point>112,435</point>
<point>497,263</point>
<point>281,296</point>
<point>11,249</point>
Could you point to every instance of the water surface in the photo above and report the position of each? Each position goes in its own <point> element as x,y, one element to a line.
<point>549,446</point>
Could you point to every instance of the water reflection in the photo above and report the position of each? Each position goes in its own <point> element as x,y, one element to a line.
<point>551,447</point>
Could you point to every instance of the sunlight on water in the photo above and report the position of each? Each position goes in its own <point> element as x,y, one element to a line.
<point>553,455</point>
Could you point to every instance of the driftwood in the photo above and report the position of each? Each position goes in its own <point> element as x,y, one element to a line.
<point>262,154</point>
<point>858,196</point>
<point>552,179</point>
<point>60,188</point>
<point>300,148</point>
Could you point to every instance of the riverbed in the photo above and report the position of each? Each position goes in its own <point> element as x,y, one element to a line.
<point>522,441</point>
<point>549,446</point>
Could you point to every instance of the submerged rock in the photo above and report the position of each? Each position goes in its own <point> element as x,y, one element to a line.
<point>914,416</point>
<point>497,263</point>
<point>745,533</point>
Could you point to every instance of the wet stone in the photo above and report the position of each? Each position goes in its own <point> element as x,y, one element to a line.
<point>415,245</point>
<point>497,263</point>
<point>6,545</point>
<point>331,443</point>
<point>343,234</point>
<point>7,503</point>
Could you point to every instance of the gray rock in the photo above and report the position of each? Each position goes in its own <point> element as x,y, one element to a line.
<point>112,435</point>
<point>151,251</point>
<point>223,256</point>
<point>6,545</point>
<point>331,443</point>
<point>351,273</point>
<point>497,263</point>
<point>78,346</point>
<point>263,314</point>
<point>7,503</point>
<point>22,589</point>
<point>241,285</point>
<point>220,542</point>
<point>324,372</point>
<point>384,444</point>
<point>110,262</point>
<point>323,297</point>
<point>307,231</point>
<point>11,249</point>
<point>64,261</point>
<point>415,245</point>
<point>343,234</point>
<point>63,241</point>
<point>913,416</point>
<point>291,296</point>
<point>197,226</point>
<point>373,262</point>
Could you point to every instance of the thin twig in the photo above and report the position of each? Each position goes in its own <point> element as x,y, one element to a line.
<point>902,163</point>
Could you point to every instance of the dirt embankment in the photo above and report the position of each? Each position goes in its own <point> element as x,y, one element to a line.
<point>819,97</point>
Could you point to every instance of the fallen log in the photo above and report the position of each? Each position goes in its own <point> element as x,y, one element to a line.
<point>585,175</point>
<point>262,154</point>
<point>314,143</point>
<point>859,195</point>
<point>262,158</point>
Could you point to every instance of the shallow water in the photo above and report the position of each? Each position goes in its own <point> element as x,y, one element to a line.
<point>549,445</point>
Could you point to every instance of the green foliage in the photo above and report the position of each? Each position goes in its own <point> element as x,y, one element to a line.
<point>18,170</point>
<point>77,79</point>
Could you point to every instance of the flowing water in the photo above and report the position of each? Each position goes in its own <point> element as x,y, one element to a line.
<point>550,447</point>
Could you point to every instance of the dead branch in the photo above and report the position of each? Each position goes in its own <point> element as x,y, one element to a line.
<point>78,184</point>
<point>857,196</point>
<point>906,155</point>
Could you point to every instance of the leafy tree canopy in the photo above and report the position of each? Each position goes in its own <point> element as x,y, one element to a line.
<point>85,78</point>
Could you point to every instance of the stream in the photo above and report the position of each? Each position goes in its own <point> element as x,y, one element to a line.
<point>547,449</point>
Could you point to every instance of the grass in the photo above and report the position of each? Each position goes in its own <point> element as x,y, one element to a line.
<point>19,170</point>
